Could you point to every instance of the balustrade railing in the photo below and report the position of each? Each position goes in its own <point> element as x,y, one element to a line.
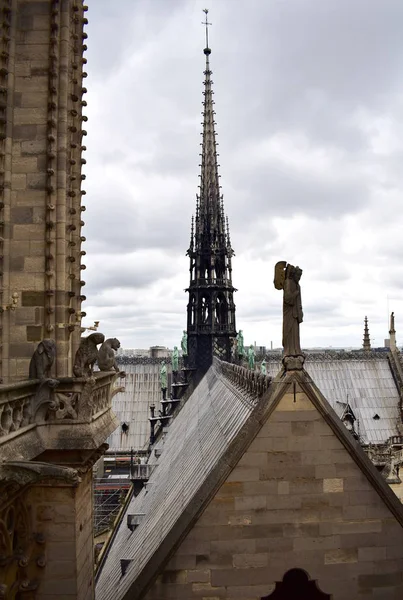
<point>29,404</point>
<point>251,381</point>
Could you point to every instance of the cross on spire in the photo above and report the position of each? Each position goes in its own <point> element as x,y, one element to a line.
<point>206,23</point>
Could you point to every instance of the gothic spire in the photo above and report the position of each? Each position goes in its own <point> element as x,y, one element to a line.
<point>212,220</point>
<point>366,341</point>
<point>211,309</point>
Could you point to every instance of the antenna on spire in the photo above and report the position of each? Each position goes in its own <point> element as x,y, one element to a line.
<point>206,23</point>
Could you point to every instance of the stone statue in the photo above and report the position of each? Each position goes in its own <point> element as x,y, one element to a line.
<point>241,349</point>
<point>87,355</point>
<point>106,355</point>
<point>251,357</point>
<point>286,277</point>
<point>42,360</point>
<point>184,346</point>
<point>175,359</point>
<point>263,368</point>
<point>163,379</point>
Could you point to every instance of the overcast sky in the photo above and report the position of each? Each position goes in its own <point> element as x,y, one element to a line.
<point>309,111</point>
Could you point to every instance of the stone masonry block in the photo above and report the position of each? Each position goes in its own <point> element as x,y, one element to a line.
<point>244,474</point>
<point>331,486</point>
<point>22,214</point>
<point>30,198</point>
<point>18,181</point>
<point>348,555</point>
<point>30,116</point>
<point>34,333</point>
<point>32,232</point>
<point>257,488</point>
<point>275,430</point>
<point>35,264</point>
<point>372,554</point>
<point>253,459</point>
<point>198,576</point>
<point>250,503</point>
<point>240,546</point>
<point>33,147</point>
<point>174,576</point>
<point>302,428</point>
<point>250,561</point>
<point>25,164</point>
<point>330,542</point>
<point>36,181</point>
<point>359,483</point>
<point>300,403</point>
<point>16,263</point>
<point>32,298</point>
<point>23,350</point>
<point>380,580</point>
<point>235,577</point>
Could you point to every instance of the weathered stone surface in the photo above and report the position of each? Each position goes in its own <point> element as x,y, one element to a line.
<point>270,516</point>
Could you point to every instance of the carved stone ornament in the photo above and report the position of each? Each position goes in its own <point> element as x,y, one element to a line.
<point>22,555</point>
<point>27,472</point>
<point>45,403</point>
<point>42,360</point>
<point>106,355</point>
<point>87,355</point>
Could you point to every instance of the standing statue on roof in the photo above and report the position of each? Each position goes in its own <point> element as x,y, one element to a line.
<point>175,363</point>
<point>240,346</point>
<point>251,357</point>
<point>263,368</point>
<point>184,347</point>
<point>286,278</point>
<point>163,379</point>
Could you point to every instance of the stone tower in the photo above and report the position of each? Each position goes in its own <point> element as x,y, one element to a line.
<point>41,118</point>
<point>211,308</point>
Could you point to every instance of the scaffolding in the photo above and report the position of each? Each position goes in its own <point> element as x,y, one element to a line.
<point>109,495</point>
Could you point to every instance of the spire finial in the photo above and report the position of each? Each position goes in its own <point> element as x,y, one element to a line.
<point>206,23</point>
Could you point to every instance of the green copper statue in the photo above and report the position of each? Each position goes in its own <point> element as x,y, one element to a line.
<point>251,357</point>
<point>263,368</point>
<point>184,346</point>
<point>241,349</point>
<point>163,379</point>
<point>175,359</point>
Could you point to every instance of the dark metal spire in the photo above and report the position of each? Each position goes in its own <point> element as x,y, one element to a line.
<point>211,309</point>
<point>212,219</point>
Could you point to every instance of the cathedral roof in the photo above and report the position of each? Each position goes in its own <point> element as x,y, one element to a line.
<point>204,443</point>
<point>365,381</point>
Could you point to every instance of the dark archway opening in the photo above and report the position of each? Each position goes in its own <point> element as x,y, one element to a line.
<point>296,585</point>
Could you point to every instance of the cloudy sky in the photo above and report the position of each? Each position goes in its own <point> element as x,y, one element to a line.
<point>309,111</point>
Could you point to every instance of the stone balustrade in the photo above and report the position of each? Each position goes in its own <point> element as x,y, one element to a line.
<point>56,414</point>
<point>253,382</point>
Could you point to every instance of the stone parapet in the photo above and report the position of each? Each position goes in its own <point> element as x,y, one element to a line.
<point>62,414</point>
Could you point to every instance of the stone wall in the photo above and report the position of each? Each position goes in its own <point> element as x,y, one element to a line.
<point>41,98</point>
<point>63,514</point>
<point>297,499</point>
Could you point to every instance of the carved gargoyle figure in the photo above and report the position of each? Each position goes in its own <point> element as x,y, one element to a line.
<point>42,360</point>
<point>106,355</point>
<point>87,355</point>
